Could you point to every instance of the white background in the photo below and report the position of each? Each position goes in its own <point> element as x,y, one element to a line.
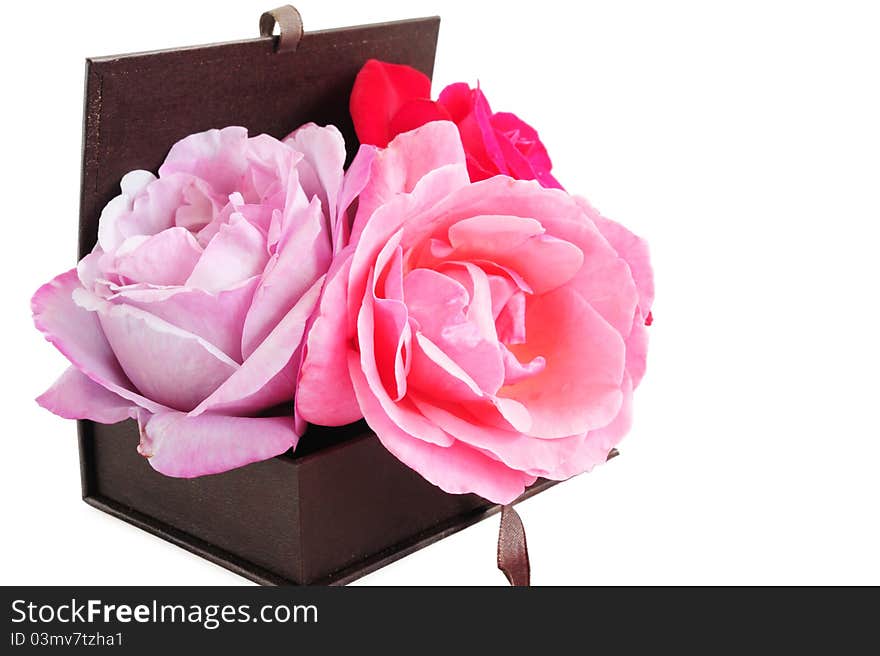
<point>742,139</point>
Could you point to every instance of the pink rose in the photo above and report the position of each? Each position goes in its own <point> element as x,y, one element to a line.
<point>493,332</point>
<point>190,311</point>
<point>389,99</point>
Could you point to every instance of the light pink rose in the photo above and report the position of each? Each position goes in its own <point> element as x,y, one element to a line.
<point>190,311</point>
<point>493,332</point>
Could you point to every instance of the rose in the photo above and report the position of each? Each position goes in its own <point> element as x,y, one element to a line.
<point>389,99</point>
<point>493,332</point>
<point>189,312</point>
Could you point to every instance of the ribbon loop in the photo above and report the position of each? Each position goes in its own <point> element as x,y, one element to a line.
<point>290,24</point>
<point>513,552</point>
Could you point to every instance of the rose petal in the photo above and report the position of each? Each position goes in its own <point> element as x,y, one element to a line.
<point>516,371</point>
<point>637,350</point>
<point>268,376</point>
<point>356,178</point>
<point>579,387</point>
<point>436,377</point>
<point>494,233</point>
<point>199,204</point>
<point>479,289</point>
<point>324,393</point>
<point>471,112</point>
<point>408,159</point>
<point>235,254</point>
<point>77,333</point>
<point>410,211</point>
<point>216,318</point>
<point>435,374</point>
<point>391,330</point>
<point>479,126</point>
<point>457,99</point>
<point>502,289</point>
<point>517,165</point>
<point>543,261</point>
<point>186,447</point>
<point>401,412</point>
<point>437,303</point>
<point>302,258</point>
<point>456,468</point>
<point>156,356</point>
<point>604,278</point>
<point>149,212</point>
<point>271,176</point>
<point>167,258</point>
<point>216,156</point>
<point>597,443</point>
<point>380,90</point>
<point>76,396</point>
<point>511,321</point>
<point>89,269</point>
<point>320,170</point>
<point>416,113</point>
<point>522,135</point>
<point>133,183</point>
<point>558,458</point>
<point>523,151</point>
<point>631,248</point>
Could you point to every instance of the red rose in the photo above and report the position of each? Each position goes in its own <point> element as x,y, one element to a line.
<point>388,99</point>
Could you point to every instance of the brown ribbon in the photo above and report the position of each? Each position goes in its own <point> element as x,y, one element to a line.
<point>290,24</point>
<point>513,552</point>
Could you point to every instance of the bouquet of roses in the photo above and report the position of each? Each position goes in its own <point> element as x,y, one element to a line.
<point>488,326</point>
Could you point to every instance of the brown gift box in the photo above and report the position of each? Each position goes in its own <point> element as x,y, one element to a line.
<point>341,506</point>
